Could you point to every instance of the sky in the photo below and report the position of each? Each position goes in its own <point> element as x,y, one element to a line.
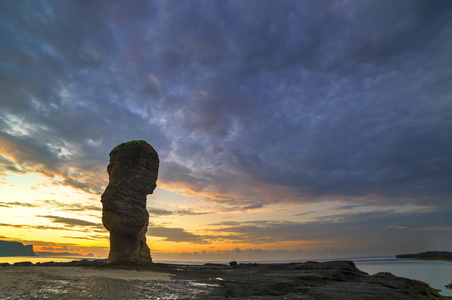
<point>286,130</point>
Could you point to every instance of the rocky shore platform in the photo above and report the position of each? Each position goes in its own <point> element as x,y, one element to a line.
<point>310,281</point>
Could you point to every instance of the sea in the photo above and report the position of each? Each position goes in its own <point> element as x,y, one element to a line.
<point>437,274</point>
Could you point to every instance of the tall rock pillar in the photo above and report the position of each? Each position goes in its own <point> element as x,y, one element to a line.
<point>133,171</point>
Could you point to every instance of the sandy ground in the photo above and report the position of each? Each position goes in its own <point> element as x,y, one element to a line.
<point>30,282</point>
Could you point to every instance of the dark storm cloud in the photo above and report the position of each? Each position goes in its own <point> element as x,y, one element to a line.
<point>324,98</point>
<point>59,85</point>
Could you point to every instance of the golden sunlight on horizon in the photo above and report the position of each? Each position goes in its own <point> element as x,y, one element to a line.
<point>59,218</point>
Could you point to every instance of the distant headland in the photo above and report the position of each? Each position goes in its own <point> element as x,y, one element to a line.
<point>429,255</point>
<point>15,249</point>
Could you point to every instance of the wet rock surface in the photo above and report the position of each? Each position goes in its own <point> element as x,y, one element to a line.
<point>133,172</point>
<point>310,281</point>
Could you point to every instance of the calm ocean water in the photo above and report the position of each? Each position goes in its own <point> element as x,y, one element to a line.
<point>436,273</point>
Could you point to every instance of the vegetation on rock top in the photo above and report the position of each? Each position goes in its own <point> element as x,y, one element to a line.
<point>128,144</point>
<point>429,255</point>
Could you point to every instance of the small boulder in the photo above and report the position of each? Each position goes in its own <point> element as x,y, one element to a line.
<point>23,263</point>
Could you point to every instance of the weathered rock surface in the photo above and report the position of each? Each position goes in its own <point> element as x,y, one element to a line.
<point>133,171</point>
<point>336,280</point>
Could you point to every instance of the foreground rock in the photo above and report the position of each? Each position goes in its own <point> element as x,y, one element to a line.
<point>133,171</point>
<point>308,281</point>
<point>312,280</point>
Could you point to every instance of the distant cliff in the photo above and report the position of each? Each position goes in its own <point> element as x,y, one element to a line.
<point>15,249</point>
<point>429,255</point>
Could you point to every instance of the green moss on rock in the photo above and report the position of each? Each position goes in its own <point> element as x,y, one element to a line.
<point>128,144</point>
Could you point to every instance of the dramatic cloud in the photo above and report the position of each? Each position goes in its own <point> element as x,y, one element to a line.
<point>159,212</point>
<point>368,232</point>
<point>72,222</point>
<point>16,203</point>
<point>175,234</point>
<point>235,254</point>
<point>248,103</point>
<point>76,207</point>
<point>371,232</point>
<point>66,228</point>
<point>300,96</point>
<point>164,212</point>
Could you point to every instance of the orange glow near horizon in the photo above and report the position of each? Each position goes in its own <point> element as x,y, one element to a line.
<point>48,215</point>
<point>57,218</point>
